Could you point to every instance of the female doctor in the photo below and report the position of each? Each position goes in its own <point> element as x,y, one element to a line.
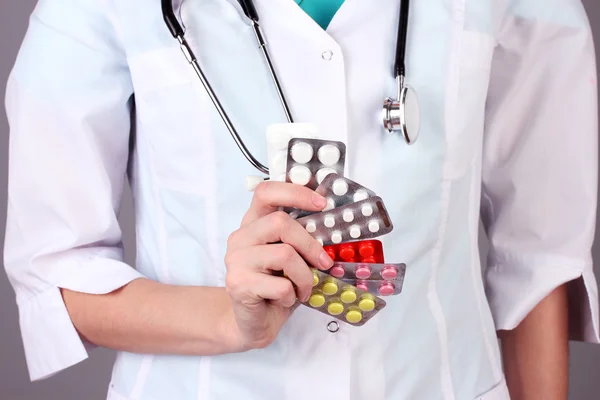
<point>101,92</point>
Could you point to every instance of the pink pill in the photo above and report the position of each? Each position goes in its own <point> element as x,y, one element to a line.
<point>363,272</point>
<point>389,273</point>
<point>337,271</point>
<point>386,289</point>
<point>362,286</point>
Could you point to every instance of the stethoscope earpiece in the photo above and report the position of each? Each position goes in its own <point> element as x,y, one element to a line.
<point>403,114</point>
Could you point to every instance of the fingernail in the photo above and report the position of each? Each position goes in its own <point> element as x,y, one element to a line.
<point>319,200</point>
<point>325,260</point>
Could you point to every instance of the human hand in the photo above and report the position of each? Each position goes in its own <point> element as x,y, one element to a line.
<point>269,240</point>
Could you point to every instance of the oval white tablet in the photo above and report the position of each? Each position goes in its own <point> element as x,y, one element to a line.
<point>311,227</point>
<point>320,241</point>
<point>355,232</point>
<point>300,175</point>
<point>340,187</point>
<point>322,173</point>
<point>367,210</point>
<point>360,195</point>
<point>348,216</point>
<point>330,204</point>
<point>328,155</point>
<point>336,237</point>
<point>374,226</point>
<point>329,221</point>
<point>302,152</point>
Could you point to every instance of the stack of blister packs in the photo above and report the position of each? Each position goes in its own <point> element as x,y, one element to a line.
<point>352,289</point>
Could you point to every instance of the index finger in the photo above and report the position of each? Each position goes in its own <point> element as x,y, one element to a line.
<point>269,196</point>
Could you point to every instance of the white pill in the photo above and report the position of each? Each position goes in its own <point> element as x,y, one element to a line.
<point>348,216</point>
<point>300,175</point>
<point>320,241</point>
<point>355,232</point>
<point>330,204</point>
<point>360,195</point>
<point>329,221</point>
<point>374,226</point>
<point>328,155</point>
<point>311,226</point>
<point>302,152</point>
<point>294,214</point>
<point>340,187</point>
<point>322,173</point>
<point>367,210</point>
<point>336,237</point>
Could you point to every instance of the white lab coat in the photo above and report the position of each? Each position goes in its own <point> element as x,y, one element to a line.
<point>508,96</point>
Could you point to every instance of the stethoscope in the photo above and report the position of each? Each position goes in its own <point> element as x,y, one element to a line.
<point>399,115</point>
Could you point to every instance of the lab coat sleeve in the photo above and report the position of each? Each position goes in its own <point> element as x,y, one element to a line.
<point>69,104</point>
<point>540,164</point>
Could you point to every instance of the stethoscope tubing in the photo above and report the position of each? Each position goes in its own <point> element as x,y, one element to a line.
<point>178,32</point>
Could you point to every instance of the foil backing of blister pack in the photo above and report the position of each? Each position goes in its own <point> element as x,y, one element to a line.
<point>309,161</point>
<point>378,287</point>
<point>278,137</point>
<point>343,301</point>
<point>335,226</point>
<point>367,271</point>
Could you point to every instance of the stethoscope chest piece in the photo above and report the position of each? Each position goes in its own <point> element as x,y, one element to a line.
<point>403,114</point>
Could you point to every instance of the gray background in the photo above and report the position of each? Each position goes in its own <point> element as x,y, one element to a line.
<point>89,379</point>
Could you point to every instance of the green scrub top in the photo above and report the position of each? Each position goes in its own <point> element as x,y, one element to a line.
<point>322,11</point>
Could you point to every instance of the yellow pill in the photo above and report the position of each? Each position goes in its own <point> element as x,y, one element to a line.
<point>316,300</point>
<point>348,296</point>
<point>335,308</point>
<point>354,316</point>
<point>315,279</point>
<point>330,288</point>
<point>366,304</point>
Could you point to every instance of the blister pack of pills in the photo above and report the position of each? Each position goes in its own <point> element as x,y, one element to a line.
<point>278,138</point>
<point>367,271</point>
<point>366,219</point>
<point>341,300</point>
<point>378,287</point>
<point>338,191</point>
<point>309,161</point>
<point>364,251</point>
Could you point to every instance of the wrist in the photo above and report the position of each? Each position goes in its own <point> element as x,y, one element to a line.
<point>230,334</point>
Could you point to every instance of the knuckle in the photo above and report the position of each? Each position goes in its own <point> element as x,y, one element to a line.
<point>280,220</point>
<point>314,247</point>
<point>286,253</point>
<point>232,238</point>
<point>285,290</point>
<point>261,193</point>
<point>232,283</point>
<point>230,260</point>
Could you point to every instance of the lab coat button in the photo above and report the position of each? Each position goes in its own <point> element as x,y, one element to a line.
<point>333,327</point>
<point>327,54</point>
